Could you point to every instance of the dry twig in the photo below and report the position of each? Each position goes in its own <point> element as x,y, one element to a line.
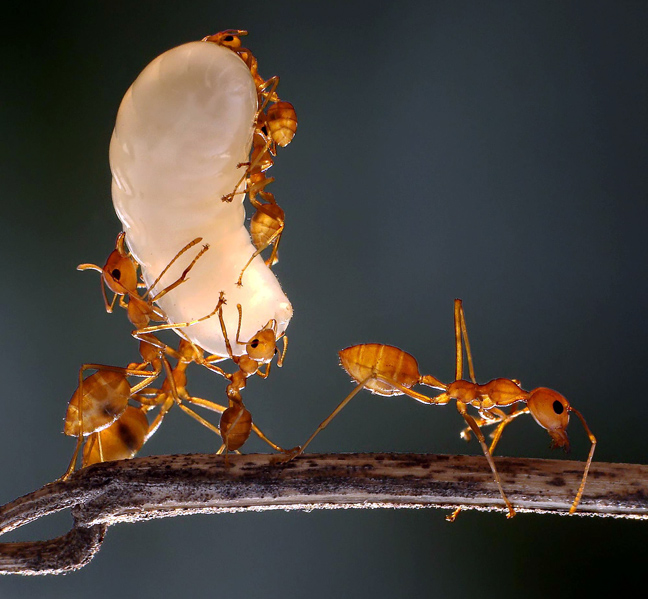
<point>164,486</point>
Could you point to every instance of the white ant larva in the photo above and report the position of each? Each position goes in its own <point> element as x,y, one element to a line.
<point>182,128</point>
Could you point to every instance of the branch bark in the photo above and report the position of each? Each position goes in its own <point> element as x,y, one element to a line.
<point>175,485</point>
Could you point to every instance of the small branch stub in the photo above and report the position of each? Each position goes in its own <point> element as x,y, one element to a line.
<point>165,486</point>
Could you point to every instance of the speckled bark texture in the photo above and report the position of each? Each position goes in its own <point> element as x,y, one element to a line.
<point>164,486</point>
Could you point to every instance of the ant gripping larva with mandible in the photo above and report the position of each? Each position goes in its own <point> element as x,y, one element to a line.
<point>388,370</point>
<point>236,421</point>
<point>119,274</point>
<point>279,119</point>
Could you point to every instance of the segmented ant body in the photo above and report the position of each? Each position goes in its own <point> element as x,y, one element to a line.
<point>98,402</point>
<point>387,370</point>
<point>275,125</point>
<point>236,421</point>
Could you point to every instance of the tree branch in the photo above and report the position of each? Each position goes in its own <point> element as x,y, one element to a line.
<point>164,486</point>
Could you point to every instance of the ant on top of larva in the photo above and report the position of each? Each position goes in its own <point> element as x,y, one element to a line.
<point>275,125</point>
<point>388,370</point>
<point>260,349</point>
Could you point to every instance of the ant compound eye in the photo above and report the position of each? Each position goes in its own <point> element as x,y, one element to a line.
<point>558,407</point>
<point>116,274</point>
<point>254,343</point>
<point>229,38</point>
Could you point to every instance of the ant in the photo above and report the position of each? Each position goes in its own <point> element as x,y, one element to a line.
<point>274,127</point>
<point>279,121</point>
<point>388,370</point>
<point>236,420</point>
<point>119,274</point>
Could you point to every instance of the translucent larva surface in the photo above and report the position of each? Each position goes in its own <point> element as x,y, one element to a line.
<point>182,129</point>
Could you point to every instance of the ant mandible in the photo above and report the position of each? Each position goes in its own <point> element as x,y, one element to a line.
<point>388,370</point>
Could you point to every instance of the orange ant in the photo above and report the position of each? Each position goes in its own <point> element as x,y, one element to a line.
<point>231,38</point>
<point>98,402</point>
<point>280,119</point>
<point>276,126</point>
<point>119,274</point>
<point>236,420</point>
<point>388,370</point>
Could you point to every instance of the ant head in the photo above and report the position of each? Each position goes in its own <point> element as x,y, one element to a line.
<point>551,411</point>
<point>120,273</point>
<point>263,346</point>
<point>230,38</point>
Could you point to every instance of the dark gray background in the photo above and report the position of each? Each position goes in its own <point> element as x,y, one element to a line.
<point>493,151</point>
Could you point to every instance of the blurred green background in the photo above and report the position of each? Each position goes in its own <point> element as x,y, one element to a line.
<point>490,151</point>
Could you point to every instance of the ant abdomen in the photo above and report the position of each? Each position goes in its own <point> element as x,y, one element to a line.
<point>235,426</point>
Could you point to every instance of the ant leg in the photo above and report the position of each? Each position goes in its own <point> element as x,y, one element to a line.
<point>214,407</point>
<point>274,239</point>
<point>280,359</point>
<point>166,406</point>
<point>326,422</point>
<point>224,328</point>
<point>250,165</point>
<point>268,219</point>
<point>199,418</point>
<point>497,433</point>
<point>480,436</point>
<point>138,333</point>
<point>440,400</point>
<point>592,439</point>
<point>462,331</point>
<point>208,405</point>
<point>176,398</point>
<point>489,417</point>
<point>270,96</point>
<point>109,305</point>
<point>183,277</point>
<point>266,374</point>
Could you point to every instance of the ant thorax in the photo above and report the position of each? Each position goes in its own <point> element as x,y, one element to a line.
<point>182,129</point>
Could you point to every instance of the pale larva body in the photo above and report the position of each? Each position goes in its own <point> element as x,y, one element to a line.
<point>181,130</point>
